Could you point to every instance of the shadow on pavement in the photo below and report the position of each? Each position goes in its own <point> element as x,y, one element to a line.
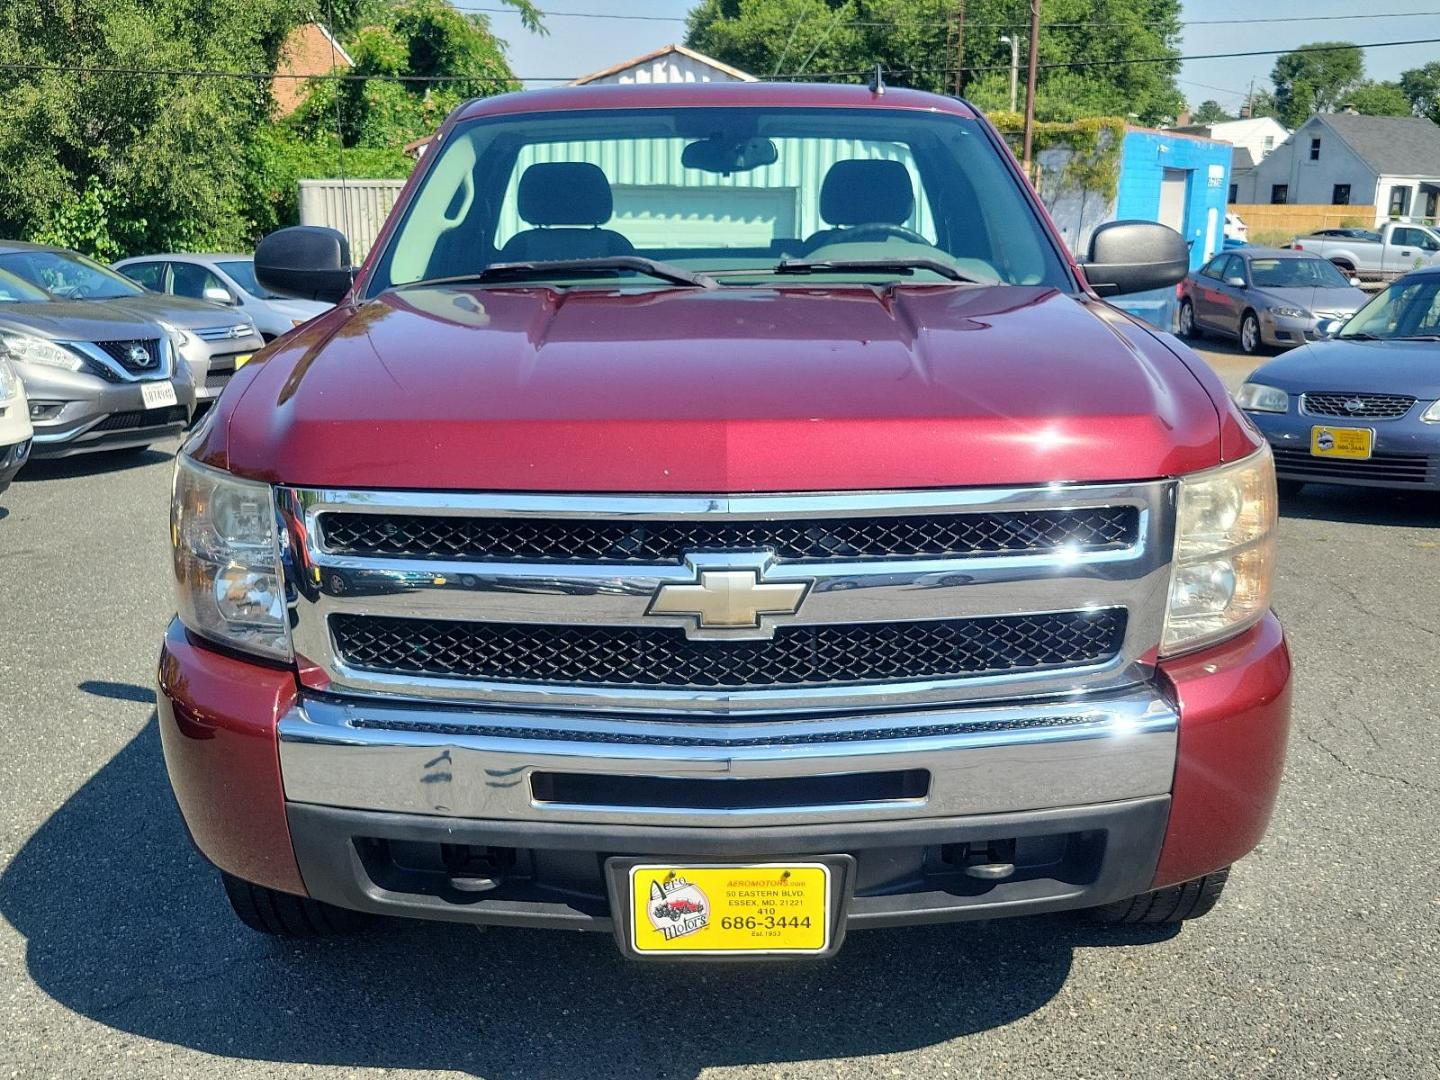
<point>126,925</point>
<point>95,464</point>
<point>1363,506</point>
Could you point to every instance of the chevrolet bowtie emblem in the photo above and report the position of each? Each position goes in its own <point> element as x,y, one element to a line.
<point>728,600</point>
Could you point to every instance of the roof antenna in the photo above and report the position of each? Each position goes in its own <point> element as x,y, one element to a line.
<point>877,81</point>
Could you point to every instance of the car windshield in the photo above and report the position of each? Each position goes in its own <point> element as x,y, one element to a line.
<point>1296,274</point>
<point>242,272</point>
<point>1407,309</point>
<point>68,276</point>
<point>14,290</point>
<point>866,195</point>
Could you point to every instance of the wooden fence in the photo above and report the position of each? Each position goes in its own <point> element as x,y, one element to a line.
<point>1299,219</point>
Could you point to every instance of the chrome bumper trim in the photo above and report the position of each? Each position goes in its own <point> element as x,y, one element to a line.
<point>472,763</point>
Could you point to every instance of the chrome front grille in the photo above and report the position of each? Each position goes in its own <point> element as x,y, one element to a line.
<point>222,333</point>
<point>1356,406</point>
<point>136,357</point>
<point>909,598</point>
<point>919,536</point>
<point>657,657</point>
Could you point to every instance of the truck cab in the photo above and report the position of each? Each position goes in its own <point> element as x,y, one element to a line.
<point>722,516</point>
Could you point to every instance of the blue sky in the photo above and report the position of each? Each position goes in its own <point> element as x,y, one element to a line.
<point>579,45</point>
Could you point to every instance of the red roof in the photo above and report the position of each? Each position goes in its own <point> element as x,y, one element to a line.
<point>716,94</point>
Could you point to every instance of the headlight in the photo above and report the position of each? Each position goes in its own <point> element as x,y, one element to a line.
<point>178,338</point>
<point>38,350</point>
<point>9,381</point>
<point>1432,414</point>
<point>1224,553</point>
<point>228,581</point>
<point>1257,397</point>
<point>1290,313</point>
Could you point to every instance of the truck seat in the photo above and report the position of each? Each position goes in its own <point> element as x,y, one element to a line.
<point>857,192</point>
<point>567,202</point>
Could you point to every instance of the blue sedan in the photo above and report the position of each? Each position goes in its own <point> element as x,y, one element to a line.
<point>1362,407</point>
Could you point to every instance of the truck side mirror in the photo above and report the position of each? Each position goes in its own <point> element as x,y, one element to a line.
<point>307,262</point>
<point>1135,256</point>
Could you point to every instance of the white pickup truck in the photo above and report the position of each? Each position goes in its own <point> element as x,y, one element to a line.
<point>1395,248</point>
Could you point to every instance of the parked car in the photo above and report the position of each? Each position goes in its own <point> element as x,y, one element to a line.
<point>214,341</point>
<point>221,279</point>
<point>393,686</point>
<point>1265,297</point>
<point>1349,233</point>
<point>96,378</point>
<point>1236,229</point>
<point>15,429</point>
<point>1362,407</point>
<point>1395,248</point>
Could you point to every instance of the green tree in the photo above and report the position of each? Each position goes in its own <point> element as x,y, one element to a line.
<point>1210,112</point>
<point>1316,78</point>
<point>915,40</point>
<point>1262,103</point>
<point>1422,87</point>
<point>1378,99</point>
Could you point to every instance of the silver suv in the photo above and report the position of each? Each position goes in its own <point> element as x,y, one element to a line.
<point>96,378</point>
<point>214,341</point>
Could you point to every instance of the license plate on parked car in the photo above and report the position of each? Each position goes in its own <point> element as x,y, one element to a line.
<point>1341,442</point>
<point>242,359</point>
<point>158,395</point>
<point>730,910</point>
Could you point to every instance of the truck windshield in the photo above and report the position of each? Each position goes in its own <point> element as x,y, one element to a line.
<point>862,195</point>
<point>1407,309</point>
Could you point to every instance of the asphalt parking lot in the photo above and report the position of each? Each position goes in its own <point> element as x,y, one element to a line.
<point>119,957</point>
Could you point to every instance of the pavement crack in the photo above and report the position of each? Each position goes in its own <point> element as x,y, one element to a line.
<point>1349,767</point>
<point>1384,617</point>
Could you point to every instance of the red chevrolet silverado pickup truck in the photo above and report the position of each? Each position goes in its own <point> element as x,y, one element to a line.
<point>722,516</point>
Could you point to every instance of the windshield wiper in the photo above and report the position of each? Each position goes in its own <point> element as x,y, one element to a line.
<point>1417,337</point>
<point>903,266</point>
<point>546,268</point>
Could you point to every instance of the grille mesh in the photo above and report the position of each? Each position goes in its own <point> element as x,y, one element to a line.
<point>119,351</point>
<point>1386,468</point>
<point>1369,406</point>
<point>664,657</point>
<point>611,541</point>
<point>138,418</point>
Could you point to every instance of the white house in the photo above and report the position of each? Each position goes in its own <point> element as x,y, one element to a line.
<point>1340,159</point>
<point>668,64</point>
<point>1253,139</point>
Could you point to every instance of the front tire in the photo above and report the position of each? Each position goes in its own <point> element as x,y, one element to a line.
<point>279,914</point>
<point>1250,341</point>
<point>1176,904</point>
<point>1187,327</point>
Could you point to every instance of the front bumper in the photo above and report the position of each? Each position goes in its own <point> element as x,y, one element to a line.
<point>84,413</point>
<point>1284,332</point>
<point>373,806</point>
<point>213,363</point>
<point>1405,454</point>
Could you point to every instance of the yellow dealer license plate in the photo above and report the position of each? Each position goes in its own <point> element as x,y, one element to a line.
<point>777,908</point>
<point>1341,442</point>
<point>242,359</point>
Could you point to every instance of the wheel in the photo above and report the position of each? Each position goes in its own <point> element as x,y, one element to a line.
<point>1250,342</point>
<point>279,914</point>
<point>1187,328</point>
<point>1288,489</point>
<point>1178,903</point>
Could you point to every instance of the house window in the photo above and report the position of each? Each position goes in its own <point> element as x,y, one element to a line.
<point>1314,149</point>
<point>1279,194</point>
<point>1233,196</point>
<point>1399,201</point>
<point>1340,195</point>
<point>1269,145</point>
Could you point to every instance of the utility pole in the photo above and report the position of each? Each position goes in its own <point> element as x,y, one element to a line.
<point>1013,40</point>
<point>1030,85</point>
<point>959,46</point>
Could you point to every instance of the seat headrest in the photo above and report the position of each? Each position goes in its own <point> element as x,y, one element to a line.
<point>565,193</point>
<point>861,192</point>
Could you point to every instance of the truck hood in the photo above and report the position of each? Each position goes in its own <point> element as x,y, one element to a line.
<point>727,390</point>
<point>77,320</point>
<point>1341,366</point>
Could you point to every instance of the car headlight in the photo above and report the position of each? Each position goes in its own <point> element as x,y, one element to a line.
<point>1290,313</point>
<point>1432,414</point>
<point>1257,397</point>
<point>9,381</point>
<point>1224,553</point>
<point>38,350</point>
<point>229,584</point>
<point>179,338</point>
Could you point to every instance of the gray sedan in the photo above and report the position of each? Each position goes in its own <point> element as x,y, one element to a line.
<point>1364,406</point>
<point>1266,297</point>
<point>222,279</point>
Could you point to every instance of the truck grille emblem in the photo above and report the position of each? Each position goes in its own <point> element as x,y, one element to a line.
<point>729,597</point>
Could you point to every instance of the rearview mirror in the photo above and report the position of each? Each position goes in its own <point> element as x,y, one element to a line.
<point>216,295</point>
<point>719,154</point>
<point>1330,327</point>
<point>1355,283</point>
<point>1236,282</point>
<point>1135,256</point>
<point>307,262</point>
